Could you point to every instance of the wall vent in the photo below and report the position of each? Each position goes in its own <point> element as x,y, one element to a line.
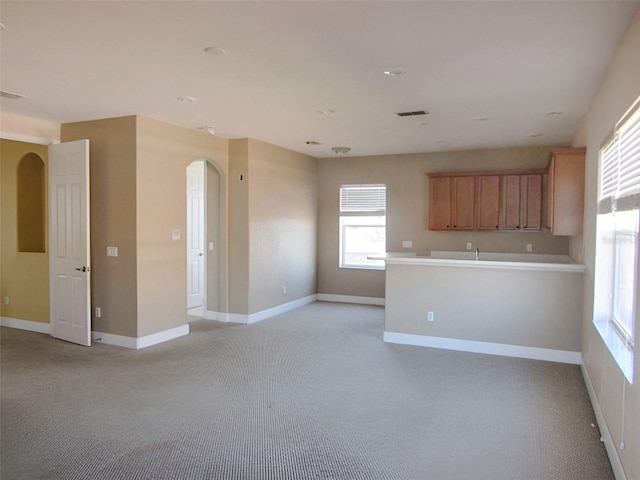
<point>412,114</point>
<point>11,96</point>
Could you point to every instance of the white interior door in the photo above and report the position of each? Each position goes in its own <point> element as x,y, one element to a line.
<point>69,255</point>
<point>195,234</point>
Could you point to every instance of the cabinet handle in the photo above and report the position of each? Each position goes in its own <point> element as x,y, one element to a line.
<point>454,226</point>
<point>448,226</point>
<point>497,227</point>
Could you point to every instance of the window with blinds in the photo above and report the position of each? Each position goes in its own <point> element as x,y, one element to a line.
<point>362,225</point>
<point>617,229</point>
<point>363,199</point>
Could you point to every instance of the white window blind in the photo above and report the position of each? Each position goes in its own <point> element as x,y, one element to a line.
<point>363,199</point>
<point>620,175</point>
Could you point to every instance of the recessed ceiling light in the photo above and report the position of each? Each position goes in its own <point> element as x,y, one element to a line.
<point>481,119</point>
<point>554,112</point>
<point>188,99</point>
<point>217,51</point>
<point>395,72</point>
<point>327,111</point>
<point>534,135</point>
<point>341,151</point>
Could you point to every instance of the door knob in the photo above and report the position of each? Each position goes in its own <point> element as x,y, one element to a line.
<point>201,254</point>
<point>83,269</point>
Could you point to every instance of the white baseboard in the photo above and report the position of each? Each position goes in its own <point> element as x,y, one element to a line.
<point>258,316</point>
<point>141,342</point>
<point>329,297</point>
<point>610,446</point>
<point>29,325</point>
<point>534,353</point>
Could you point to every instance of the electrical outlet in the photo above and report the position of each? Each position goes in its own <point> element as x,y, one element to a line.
<point>430,317</point>
<point>98,312</point>
<point>469,245</point>
<point>529,247</point>
<point>6,300</point>
<point>284,289</point>
<point>407,244</point>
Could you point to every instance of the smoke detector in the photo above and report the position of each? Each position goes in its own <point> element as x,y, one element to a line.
<point>208,129</point>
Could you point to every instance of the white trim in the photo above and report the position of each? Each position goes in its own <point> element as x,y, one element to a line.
<point>285,307</point>
<point>259,316</point>
<point>141,342</point>
<point>534,353</point>
<point>330,297</point>
<point>112,339</point>
<point>18,137</point>
<point>492,264</point>
<point>612,451</point>
<point>164,336</point>
<point>29,325</point>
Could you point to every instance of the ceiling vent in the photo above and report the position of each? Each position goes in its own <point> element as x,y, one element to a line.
<point>11,96</point>
<point>412,114</point>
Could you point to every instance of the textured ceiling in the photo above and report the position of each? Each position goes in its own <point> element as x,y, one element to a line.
<point>488,73</point>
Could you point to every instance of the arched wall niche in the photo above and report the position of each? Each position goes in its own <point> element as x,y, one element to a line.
<point>31,204</point>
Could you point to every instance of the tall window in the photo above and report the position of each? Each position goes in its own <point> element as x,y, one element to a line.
<point>362,225</point>
<point>616,274</point>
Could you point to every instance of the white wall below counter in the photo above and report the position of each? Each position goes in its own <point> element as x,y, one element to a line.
<point>502,308</point>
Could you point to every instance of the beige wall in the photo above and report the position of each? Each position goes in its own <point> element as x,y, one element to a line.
<point>239,226</point>
<point>138,197</point>
<point>486,305</point>
<point>620,87</point>
<point>29,127</point>
<point>24,277</point>
<point>112,170</point>
<point>283,225</point>
<point>163,153</point>
<point>407,207</point>
<point>272,226</point>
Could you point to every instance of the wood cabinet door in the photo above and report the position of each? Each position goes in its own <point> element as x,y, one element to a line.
<point>488,202</point>
<point>531,202</point>
<point>439,203</point>
<point>511,198</point>
<point>463,203</point>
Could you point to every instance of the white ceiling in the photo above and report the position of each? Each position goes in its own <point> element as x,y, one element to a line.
<point>510,62</point>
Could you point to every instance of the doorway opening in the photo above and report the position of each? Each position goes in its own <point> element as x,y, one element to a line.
<point>206,246</point>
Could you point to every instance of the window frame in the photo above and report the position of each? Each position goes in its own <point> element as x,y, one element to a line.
<point>618,217</point>
<point>359,208</point>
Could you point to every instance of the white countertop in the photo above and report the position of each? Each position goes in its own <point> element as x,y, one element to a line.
<point>552,263</point>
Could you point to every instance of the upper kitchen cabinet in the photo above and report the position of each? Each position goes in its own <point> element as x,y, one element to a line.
<point>488,202</point>
<point>521,203</point>
<point>451,202</point>
<point>565,202</point>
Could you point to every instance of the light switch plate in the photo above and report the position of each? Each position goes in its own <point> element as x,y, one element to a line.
<point>175,234</point>
<point>112,251</point>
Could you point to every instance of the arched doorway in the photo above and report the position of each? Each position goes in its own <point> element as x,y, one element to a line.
<point>206,240</point>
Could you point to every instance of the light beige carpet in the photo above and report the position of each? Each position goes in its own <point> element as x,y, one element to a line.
<point>311,394</point>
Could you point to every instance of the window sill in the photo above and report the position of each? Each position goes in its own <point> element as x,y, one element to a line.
<point>362,267</point>
<point>623,354</point>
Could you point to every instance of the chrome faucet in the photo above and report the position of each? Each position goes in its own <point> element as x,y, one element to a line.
<point>477,254</point>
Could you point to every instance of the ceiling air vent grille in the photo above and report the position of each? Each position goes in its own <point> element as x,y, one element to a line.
<point>9,95</point>
<point>412,114</point>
